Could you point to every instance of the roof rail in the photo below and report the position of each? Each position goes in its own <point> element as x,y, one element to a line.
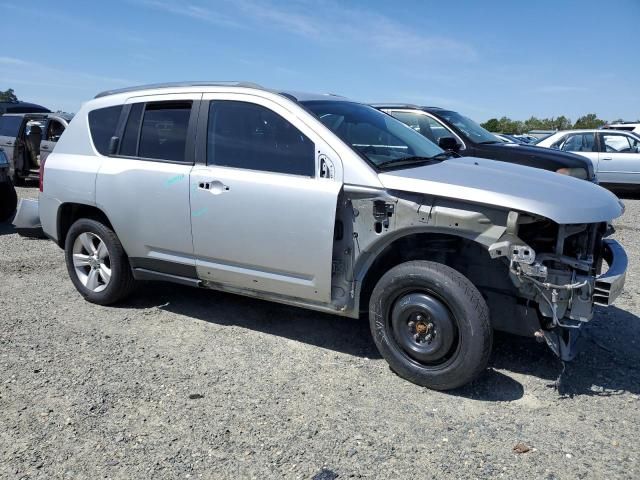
<point>180,84</point>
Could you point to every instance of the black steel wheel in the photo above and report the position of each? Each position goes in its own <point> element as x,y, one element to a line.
<point>431,324</point>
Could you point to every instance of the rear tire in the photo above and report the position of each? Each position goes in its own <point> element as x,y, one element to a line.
<point>8,200</point>
<point>17,180</point>
<point>97,263</point>
<point>431,324</point>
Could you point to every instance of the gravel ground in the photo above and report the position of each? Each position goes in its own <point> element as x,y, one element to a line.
<point>184,383</point>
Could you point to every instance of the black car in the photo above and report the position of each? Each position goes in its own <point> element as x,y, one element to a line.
<point>8,197</point>
<point>456,132</point>
<point>22,107</point>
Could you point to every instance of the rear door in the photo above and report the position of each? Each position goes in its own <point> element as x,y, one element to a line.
<point>9,130</point>
<point>52,132</point>
<point>144,185</point>
<point>264,197</point>
<point>619,158</point>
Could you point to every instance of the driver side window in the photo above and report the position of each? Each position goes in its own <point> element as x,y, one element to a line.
<point>250,136</point>
<point>425,125</point>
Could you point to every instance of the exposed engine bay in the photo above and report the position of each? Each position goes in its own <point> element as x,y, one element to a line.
<point>539,278</point>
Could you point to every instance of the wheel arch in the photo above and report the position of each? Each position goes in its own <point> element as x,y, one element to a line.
<point>419,244</point>
<point>461,251</point>
<point>70,212</point>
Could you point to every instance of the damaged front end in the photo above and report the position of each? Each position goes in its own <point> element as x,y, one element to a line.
<point>558,268</point>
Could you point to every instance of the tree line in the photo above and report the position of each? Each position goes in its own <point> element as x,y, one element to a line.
<point>509,126</point>
<point>8,96</point>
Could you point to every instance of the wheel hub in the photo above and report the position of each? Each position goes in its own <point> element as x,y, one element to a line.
<point>424,331</point>
<point>423,327</point>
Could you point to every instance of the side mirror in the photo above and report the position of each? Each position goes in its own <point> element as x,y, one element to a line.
<point>113,145</point>
<point>448,144</point>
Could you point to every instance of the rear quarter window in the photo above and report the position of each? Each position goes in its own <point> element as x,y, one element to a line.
<point>102,124</point>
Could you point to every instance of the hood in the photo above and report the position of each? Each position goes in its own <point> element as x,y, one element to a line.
<point>534,156</point>
<point>560,198</point>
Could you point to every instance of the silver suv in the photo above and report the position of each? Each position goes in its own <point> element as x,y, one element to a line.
<point>321,202</point>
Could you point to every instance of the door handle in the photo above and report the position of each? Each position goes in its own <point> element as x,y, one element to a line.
<point>44,147</point>
<point>9,143</point>
<point>607,158</point>
<point>214,186</point>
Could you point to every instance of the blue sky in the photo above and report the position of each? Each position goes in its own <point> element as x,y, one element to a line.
<point>484,59</point>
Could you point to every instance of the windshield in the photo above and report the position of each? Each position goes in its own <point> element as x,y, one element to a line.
<point>378,137</point>
<point>470,128</point>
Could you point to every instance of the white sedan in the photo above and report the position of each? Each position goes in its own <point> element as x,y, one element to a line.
<point>615,154</point>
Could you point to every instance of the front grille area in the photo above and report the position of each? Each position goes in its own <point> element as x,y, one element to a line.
<point>582,242</point>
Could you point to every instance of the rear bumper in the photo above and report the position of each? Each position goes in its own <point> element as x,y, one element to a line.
<point>27,219</point>
<point>609,285</point>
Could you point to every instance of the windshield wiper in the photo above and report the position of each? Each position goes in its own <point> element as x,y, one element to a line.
<point>444,155</point>
<point>399,162</point>
<point>489,142</point>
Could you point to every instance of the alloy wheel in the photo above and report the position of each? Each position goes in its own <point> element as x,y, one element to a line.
<point>91,261</point>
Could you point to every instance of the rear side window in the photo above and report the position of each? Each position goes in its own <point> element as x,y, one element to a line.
<point>250,136</point>
<point>620,143</point>
<point>163,135</point>
<point>102,124</point>
<point>10,126</point>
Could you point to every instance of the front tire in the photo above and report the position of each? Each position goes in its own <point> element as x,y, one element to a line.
<point>431,325</point>
<point>97,263</point>
<point>8,200</point>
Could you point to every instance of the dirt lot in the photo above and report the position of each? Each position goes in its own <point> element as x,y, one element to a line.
<point>184,383</point>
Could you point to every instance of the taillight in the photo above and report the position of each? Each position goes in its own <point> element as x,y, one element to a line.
<point>41,179</point>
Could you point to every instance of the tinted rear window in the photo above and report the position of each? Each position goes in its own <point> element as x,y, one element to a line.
<point>10,126</point>
<point>164,131</point>
<point>102,124</point>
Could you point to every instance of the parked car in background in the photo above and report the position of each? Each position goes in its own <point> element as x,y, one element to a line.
<point>526,138</point>
<point>456,132</point>
<point>22,107</point>
<point>540,134</point>
<point>27,139</point>
<point>624,126</point>
<point>8,197</point>
<point>328,204</point>
<point>615,154</point>
<point>508,138</point>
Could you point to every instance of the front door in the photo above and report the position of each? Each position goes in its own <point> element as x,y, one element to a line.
<point>263,200</point>
<point>619,158</point>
